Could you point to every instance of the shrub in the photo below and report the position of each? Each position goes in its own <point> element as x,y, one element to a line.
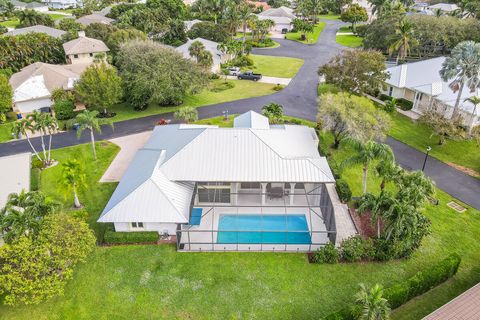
<point>356,249</point>
<point>390,105</point>
<point>405,104</point>
<point>222,86</point>
<point>343,190</point>
<point>64,110</point>
<point>214,76</point>
<point>326,254</point>
<point>112,237</point>
<point>277,87</point>
<point>384,97</point>
<point>385,249</point>
<point>243,61</point>
<point>327,88</point>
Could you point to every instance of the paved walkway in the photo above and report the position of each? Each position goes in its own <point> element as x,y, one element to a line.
<point>299,99</point>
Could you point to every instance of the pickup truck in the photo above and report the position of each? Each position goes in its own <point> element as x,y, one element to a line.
<point>249,75</point>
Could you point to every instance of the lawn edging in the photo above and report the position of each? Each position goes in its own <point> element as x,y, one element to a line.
<point>402,292</point>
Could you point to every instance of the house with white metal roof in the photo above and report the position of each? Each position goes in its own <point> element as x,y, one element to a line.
<point>218,57</point>
<point>282,16</point>
<point>251,187</point>
<point>420,83</point>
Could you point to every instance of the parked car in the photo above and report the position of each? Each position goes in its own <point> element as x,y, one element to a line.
<point>249,75</point>
<point>233,71</point>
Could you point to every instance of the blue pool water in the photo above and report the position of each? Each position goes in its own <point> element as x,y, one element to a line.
<point>228,226</point>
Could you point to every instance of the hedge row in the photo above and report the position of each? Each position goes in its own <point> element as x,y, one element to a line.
<point>403,104</point>
<point>402,292</point>
<point>112,237</point>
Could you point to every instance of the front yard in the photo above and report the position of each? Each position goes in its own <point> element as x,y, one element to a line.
<point>310,37</point>
<point>281,67</point>
<point>156,282</point>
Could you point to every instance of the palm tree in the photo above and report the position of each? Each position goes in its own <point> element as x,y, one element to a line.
<point>216,7</point>
<point>378,6</point>
<point>401,219</point>
<point>475,101</point>
<point>463,66</point>
<point>374,305</point>
<point>365,154</point>
<point>73,179</point>
<point>438,13</point>
<point>389,171</point>
<point>403,40</point>
<point>377,206</point>
<point>244,13</point>
<point>23,212</point>
<point>22,127</point>
<point>47,125</point>
<point>415,188</point>
<point>89,120</point>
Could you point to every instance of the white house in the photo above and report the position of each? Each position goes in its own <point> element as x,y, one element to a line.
<point>282,16</point>
<point>420,82</point>
<point>52,32</point>
<point>19,5</point>
<point>83,49</point>
<point>63,4</point>
<point>444,7</point>
<point>218,56</point>
<point>250,187</point>
<point>32,86</point>
<point>15,173</point>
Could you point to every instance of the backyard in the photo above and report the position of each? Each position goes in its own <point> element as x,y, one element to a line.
<point>281,67</point>
<point>157,282</point>
<point>310,37</point>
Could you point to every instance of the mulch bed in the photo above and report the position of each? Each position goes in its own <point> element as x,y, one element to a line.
<point>363,223</point>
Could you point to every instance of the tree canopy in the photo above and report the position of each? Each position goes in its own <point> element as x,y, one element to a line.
<point>208,30</point>
<point>155,74</point>
<point>6,96</point>
<point>354,14</point>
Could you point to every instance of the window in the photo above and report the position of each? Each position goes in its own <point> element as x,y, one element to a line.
<point>250,185</point>
<point>91,54</point>
<point>136,225</point>
<point>390,91</point>
<point>214,192</point>
<point>419,96</point>
<point>75,56</point>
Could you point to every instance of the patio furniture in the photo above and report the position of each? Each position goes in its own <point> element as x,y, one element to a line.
<point>275,193</point>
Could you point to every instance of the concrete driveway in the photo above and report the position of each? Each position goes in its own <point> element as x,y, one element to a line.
<point>129,145</point>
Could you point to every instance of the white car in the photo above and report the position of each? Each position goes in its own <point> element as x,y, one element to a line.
<point>234,71</point>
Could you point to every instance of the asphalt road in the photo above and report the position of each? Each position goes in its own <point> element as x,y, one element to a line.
<point>299,99</point>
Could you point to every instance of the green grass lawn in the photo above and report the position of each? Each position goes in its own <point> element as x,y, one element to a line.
<point>156,282</point>
<point>281,67</point>
<point>56,16</point>
<point>243,89</point>
<point>463,153</point>
<point>349,40</point>
<point>6,131</point>
<point>311,37</point>
<point>10,23</point>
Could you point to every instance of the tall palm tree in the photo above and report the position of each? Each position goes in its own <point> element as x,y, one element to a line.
<point>403,39</point>
<point>463,66</point>
<point>389,171</point>
<point>73,179</point>
<point>215,8</point>
<point>23,212</point>
<point>401,219</point>
<point>365,153</point>
<point>374,305</point>
<point>45,124</point>
<point>475,101</point>
<point>23,127</point>
<point>415,188</point>
<point>88,120</point>
<point>244,12</point>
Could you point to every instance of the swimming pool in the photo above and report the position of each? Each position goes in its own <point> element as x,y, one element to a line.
<point>229,225</point>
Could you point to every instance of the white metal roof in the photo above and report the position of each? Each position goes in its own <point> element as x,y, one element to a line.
<point>15,173</point>
<point>158,185</point>
<point>251,119</point>
<point>424,76</point>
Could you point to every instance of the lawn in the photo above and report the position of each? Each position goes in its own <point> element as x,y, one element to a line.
<point>281,67</point>
<point>6,131</point>
<point>463,153</point>
<point>56,16</point>
<point>156,282</point>
<point>329,17</point>
<point>349,40</point>
<point>243,89</point>
<point>10,23</point>
<point>311,37</point>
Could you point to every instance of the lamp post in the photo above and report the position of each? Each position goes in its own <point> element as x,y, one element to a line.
<point>426,157</point>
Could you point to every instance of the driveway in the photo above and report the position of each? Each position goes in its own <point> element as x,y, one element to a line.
<point>299,99</point>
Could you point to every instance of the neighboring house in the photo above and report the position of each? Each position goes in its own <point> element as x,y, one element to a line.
<point>444,7</point>
<point>32,86</point>
<point>63,4</point>
<point>282,17</point>
<point>190,24</point>
<point>83,50</point>
<point>218,56</point>
<point>94,18</point>
<point>56,33</point>
<point>420,82</point>
<point>15,173</point>
<point>208,186</point>
<point>19,5</point>
<point>464,307</point>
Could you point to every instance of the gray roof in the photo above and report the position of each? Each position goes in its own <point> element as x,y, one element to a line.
<point>56,33</point>
<point>84,45</point>
<point>210,46</point>
<point>94,18</point>
<point>283,12</point>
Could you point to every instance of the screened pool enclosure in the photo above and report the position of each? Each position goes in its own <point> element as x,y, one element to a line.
<point>258,217</point>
